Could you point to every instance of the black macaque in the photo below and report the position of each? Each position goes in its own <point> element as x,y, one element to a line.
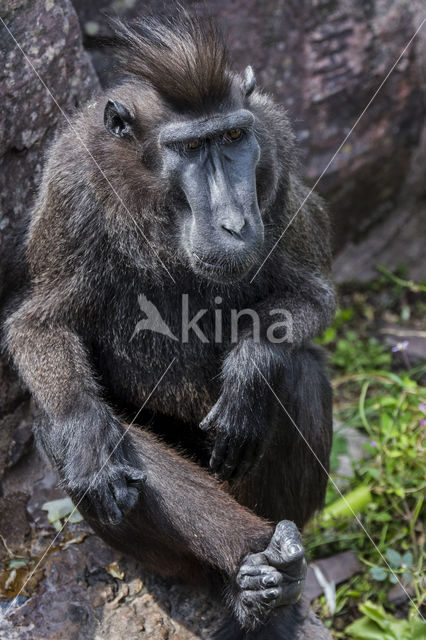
<point>173,189</point>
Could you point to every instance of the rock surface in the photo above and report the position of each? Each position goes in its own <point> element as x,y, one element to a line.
<point>40,37</point>
<point>15,431</point>
<point>334,570</point>
<point>397,239</point>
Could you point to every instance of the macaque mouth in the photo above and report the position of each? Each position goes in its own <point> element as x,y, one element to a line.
<point>220,272</point>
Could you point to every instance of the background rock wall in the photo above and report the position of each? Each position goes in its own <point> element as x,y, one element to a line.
<point>49,34</point>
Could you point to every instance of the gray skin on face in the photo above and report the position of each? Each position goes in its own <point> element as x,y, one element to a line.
<point>213,161</point>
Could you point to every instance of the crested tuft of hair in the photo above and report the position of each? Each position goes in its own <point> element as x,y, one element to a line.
<point>184,58</point>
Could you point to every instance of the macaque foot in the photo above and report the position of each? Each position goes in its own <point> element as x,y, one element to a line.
<point>272,578</point>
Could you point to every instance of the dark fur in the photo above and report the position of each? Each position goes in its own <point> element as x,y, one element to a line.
<point>185,60</point>
<point>89,258</point>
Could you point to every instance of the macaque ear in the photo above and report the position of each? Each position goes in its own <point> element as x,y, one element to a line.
<point>118,119</point>
<point>249,82</point>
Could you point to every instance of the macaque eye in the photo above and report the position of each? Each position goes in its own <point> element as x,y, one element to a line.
<point>194,144</point>
<point>233,134</point>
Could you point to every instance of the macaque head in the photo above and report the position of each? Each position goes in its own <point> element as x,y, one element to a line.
<point>205,141</point>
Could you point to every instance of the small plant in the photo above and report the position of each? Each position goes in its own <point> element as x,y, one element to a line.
<point>388,532</point>
<point>376,624</point>
<point>350,351</point>
<point>400,566</point>
<point>354,354</point>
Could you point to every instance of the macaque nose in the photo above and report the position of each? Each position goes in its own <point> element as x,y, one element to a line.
<point>234,228</point>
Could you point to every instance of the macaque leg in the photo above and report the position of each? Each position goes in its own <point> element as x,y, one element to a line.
<point>289,483</point>
<point>290,480</point>
<point>186,525</point>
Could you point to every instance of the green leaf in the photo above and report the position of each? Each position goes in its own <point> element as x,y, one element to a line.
<point>377,573</point>
<point>394,453</point>
<point>378,625</point>
<point>417,629</point>
<point>17,563</point>
<point>388,401</point>
<point>383,517</point>
<point>399,491</point>
<point>75,517</point>
<point>328,336</point>
<point>365,629</point>
<point>373,473</point>
<point>344,315</point>
<point>407,559</point>
<point>394,558</point>
<point>352,503</point>
<point>374,612</point>
<point>58,509</point>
